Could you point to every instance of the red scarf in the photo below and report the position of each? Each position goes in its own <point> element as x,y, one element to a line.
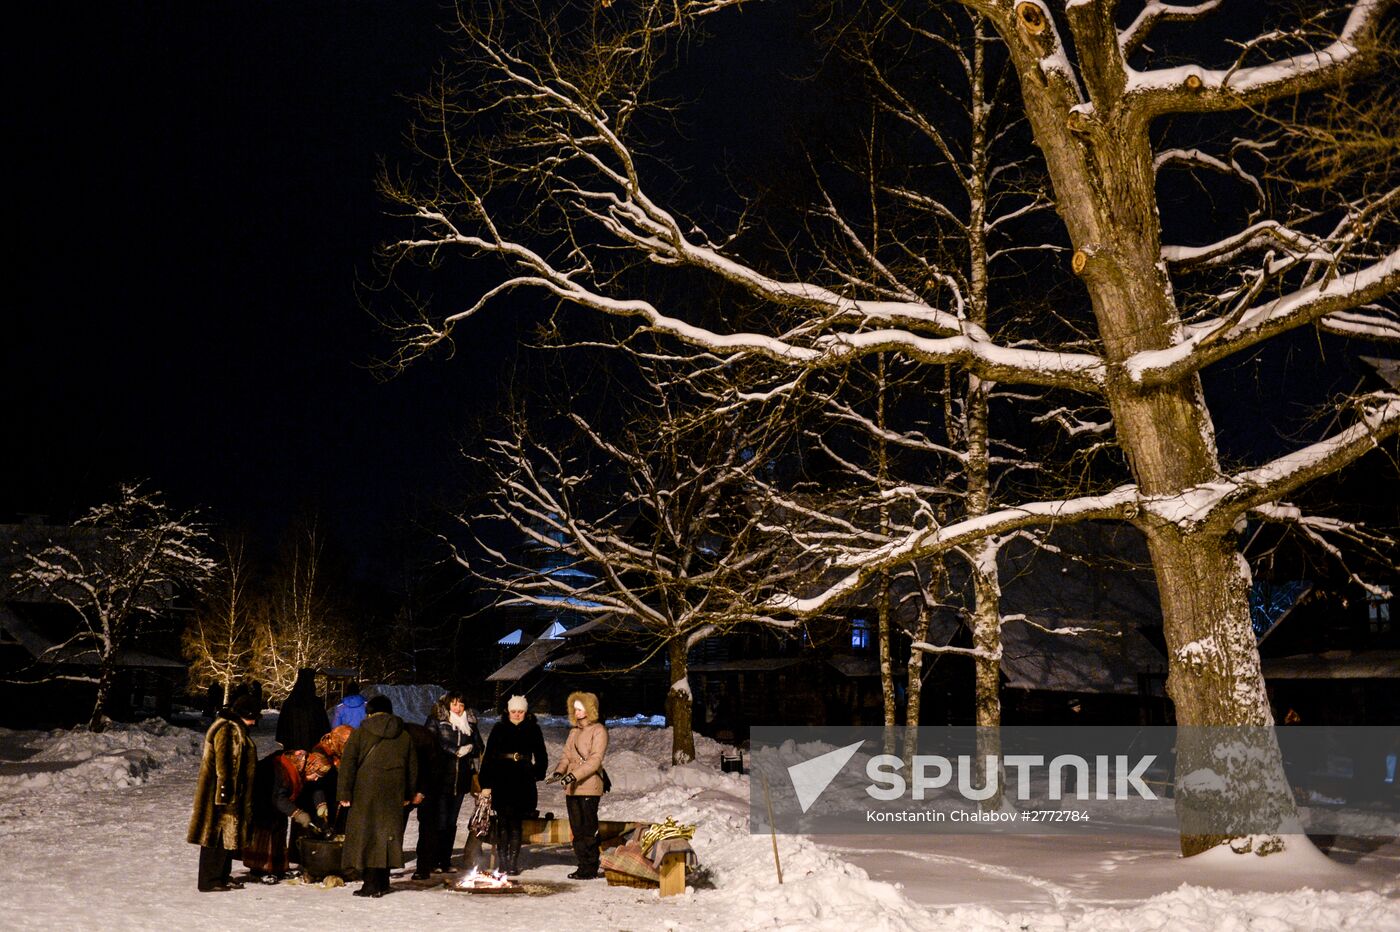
<point>288,764</point>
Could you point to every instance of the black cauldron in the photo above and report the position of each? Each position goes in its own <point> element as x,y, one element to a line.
<point>320,857</point>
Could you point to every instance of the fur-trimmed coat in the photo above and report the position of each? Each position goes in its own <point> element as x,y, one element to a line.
<point>223,795</point>
<point>584,749</point>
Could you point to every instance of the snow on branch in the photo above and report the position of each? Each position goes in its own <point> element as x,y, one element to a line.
<point>1154,12</point>
<point>1221,502</point>
<point>592,177</point>
<point>928,541</point>
<point>1213,340</point>
<point>1260,235</point>
<point>1194,89</point>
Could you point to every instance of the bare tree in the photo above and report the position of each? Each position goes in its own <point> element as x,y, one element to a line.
<point>218,641</point>
<point>652,527</point>
<point>119,575</point>
<point>567,106</point>
<point>296,625</point>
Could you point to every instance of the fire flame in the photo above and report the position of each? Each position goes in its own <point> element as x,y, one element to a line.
<point>477,879</point>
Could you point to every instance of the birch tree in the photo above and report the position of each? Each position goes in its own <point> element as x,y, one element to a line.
<point>218,641</point>
<point>118,575</point>
<point>296,624</point>
<point>565,110</point>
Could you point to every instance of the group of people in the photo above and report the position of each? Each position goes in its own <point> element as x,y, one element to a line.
<point>366,767</point>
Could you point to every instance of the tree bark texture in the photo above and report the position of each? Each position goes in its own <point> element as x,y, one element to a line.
<point>679,703</point>
<point>1105,191</point>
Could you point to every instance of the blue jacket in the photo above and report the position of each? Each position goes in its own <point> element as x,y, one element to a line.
<point>351,711</point>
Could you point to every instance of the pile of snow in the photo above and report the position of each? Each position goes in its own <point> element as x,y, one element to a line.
<point>413,703</point>
<point>123,755</point>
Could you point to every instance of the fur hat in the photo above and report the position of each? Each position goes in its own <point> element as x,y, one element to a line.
<point>517,704</point>
<point>246,707</point>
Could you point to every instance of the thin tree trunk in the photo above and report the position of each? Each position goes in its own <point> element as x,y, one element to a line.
<point>678,701</point>
<point>884,635</point>
<point>104,690</point>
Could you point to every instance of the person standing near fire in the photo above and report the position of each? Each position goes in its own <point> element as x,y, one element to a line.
<point>516,760</point>
<point>580,770</point>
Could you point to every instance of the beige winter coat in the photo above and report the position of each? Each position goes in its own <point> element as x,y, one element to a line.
<point>585,748</point>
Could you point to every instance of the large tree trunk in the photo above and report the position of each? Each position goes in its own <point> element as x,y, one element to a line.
<point>678,705</point>
<point>1105,190</point>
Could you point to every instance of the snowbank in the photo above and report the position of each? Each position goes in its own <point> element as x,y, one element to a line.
<point>123,755</point>
<point>411,703</point>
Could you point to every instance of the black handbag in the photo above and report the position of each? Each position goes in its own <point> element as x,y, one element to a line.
<point>607,783</point>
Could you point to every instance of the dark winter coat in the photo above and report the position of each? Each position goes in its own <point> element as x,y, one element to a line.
<point>455,772</point>
<point>302,720</point>
<point>515,761</point>
<point>223,794</point>
<point>378,773</point>
<point>425,748</point>
<point>351,711</point>
<point>584,749</point>
<point>276,785</point>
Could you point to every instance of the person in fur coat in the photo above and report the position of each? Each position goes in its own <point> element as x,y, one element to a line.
<point>580,770</point>
<point>515,761</point>
<point>223,796</point>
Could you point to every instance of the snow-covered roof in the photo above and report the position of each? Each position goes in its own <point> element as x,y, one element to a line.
<point>531,658</point>
<point>1111,659</point>
<point>512,638</point>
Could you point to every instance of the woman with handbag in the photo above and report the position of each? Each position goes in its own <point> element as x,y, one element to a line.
<point>515,761</point>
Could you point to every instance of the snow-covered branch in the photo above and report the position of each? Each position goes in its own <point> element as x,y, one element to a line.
<point>1222,501</point>
<point>932,540</point>
<point>1213,340</point>
<point>1194,89</point>
<point>1154,12</point>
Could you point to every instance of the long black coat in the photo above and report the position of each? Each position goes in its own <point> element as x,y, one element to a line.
<point>512,782</point>
<point>223,795</point>
<point>303,719</point>
<point>378,774</point>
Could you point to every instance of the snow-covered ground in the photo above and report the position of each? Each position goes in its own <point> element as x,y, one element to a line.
<point>92,836</point>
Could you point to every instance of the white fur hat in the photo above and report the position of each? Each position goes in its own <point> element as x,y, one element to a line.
<point>517,704</point>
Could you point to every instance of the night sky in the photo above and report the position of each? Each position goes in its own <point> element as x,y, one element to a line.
<point>192,201</point>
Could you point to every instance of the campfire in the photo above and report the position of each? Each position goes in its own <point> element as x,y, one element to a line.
<point>482,882</point>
